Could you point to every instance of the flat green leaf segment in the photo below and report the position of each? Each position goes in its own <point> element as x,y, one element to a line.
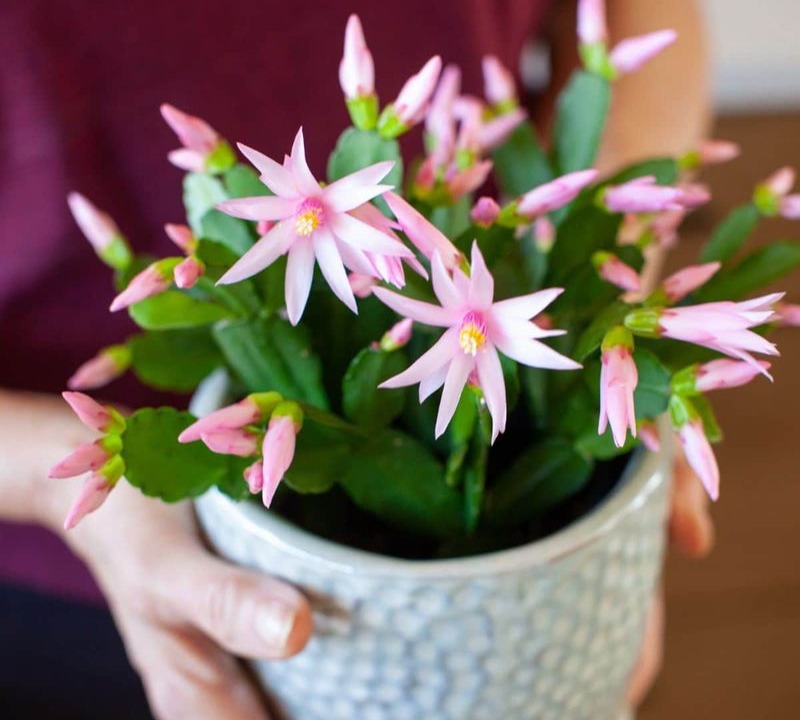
<point>521,163</point>
<point>731,234</point>
<point>362,401</point>
<point>174,310</point>
<point>160,466</point>
<point>358,149</point>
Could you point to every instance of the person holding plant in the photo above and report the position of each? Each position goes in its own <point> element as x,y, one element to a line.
<point>184,614</point>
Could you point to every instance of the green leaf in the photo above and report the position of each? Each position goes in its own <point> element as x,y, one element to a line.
<point>173,310</point>
<point>731,234</point>
<point>218,259</point>
<point>580,121</point>
<point>242,181</point>
<point>706,412</point>
<point>541,478</point>
<point>175,360</point>
<point>139,263</point>
<point>362,401</point>
<point>271,354</point>
<point>201,193</point>
<point>235,234</point>
<point>321,456</point>
<point>756,270</point>
<point>652,391</point>
<point>397,479</point>
<point>592,337</point>
<point>665,171</point>
<point>520,163</point>
<point>602,447</point>
<point>160,466</point>
<point>356,149</point>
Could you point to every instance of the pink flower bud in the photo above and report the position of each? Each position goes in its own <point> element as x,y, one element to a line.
<point>278,452</point>
<point>412,101</point>
<point>781,181</point>
<point>630,54</point>
<point>700,456</point>
<point>89,412</point>
<point>188,160</point>
<point>232,417</point>
<point>592,22</point>
<point>153,280</point>
<point>494,133</point>
<point>554,194</point>
<point>397,336</point>
<point>485,211</point>
<point>356,70</point>
<point>715,152</point>
<point>182,236</point>
<point>254,477</point>
<point>616,272</point>
<point>544,233</point>
<point>98,227</point>
<point>790,207</point>
<point>618,380</point>
<point>724,373</point>
<point>665,227</point>
<point>234,441</point>
<point>107,365</point>
<point>361,285</point>
<point>642,195</point>
<point>188,272</point>
<point>788,315</point>
<point>460,183</point>
<point>694,195</point>
<point>92,495</point>
<point>648,434</point>
<point>678,285</point>
<point>263,227</point>
<point>498,82</point>
<point>87,457</point>
<point>194,133</point>
<point>440,122</point>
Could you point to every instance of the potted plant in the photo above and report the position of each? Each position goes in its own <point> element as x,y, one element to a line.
<point>492,553</point>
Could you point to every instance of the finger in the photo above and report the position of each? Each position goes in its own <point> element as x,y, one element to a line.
<point>651,655</point>
<point>186,676</point>
<point>690,525</point>
<point>247,613</point>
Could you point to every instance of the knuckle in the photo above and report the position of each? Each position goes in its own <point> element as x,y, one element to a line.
<point>222,602</point>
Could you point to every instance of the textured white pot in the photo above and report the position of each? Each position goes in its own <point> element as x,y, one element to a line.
<point>547,631</point>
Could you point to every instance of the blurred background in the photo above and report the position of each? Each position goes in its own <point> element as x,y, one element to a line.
<point>733,620</point>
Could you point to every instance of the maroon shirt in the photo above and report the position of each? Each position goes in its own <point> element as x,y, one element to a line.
<point>80,86</point>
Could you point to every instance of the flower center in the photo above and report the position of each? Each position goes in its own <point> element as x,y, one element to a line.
<point>309,217</point>
<point>473,334</point>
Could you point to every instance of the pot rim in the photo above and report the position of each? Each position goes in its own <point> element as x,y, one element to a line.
<point>644,474</point>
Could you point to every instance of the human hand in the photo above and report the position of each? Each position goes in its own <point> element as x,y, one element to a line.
<point>182,612</point>
<point>691,531</point>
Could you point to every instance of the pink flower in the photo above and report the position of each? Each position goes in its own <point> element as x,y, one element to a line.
<point>316,223</point>
<point>440,122</point>
<point>85,458</point>
<point>499,85</point>
<point>102,418</point>
<point>718,374</point>
<point>554,194</point>
<point>720,326</point>
<point>361,285</point>
<point>642,195</point>
<point>678,285</point>
<point>233,441</point>
<point>356,70</point>
<point>425,236</point>
<point>495,131</point>
<point>188,271</point>
<point>772,195</point>
<point>700,456</point>
<point>649,435</point>
<point>254,476</point>
<point>616,272</point>
<point>618,380</point>
<point>781,181</point>
<point>397,336</point>
<point>92,495</point>
<point>715,152</point>
<point>101,232</point>
<point>694,195</point>
<point>153,280</point>
<point>485,211</point>
<point>412,101</point>
<point>544,233</point>
<point>278,453</point>
<point>182,236</point>
<point>477,328</point>
<point>198,138</point>
<point>592,28</point>
<point>253,409</point>
<point>107,365</point>
<point>630,54</point>
<point>787,314</point>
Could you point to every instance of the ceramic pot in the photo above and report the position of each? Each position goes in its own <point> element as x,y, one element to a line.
<point>545,631</point>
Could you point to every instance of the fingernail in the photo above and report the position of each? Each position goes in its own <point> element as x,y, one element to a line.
<point>274,623</point>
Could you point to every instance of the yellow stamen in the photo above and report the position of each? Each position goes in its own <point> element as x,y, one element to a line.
<point>308,221</point>
<point>472,338</point>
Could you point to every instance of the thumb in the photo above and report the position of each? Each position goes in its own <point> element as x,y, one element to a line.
<point>247,613</point>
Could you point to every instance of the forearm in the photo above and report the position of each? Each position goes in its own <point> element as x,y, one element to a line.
<point>36,431</point>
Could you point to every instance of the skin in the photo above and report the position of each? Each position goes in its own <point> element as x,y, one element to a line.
<point>183,614</point>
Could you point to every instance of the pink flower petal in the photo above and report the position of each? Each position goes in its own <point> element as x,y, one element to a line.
<point>490,375</point>
<point>360,235</point>
<point>527,306</point>
<point>630,54</point>
<point>189,160</point>
<point>299,274</point>
<point>86,457</point>
<point>439,356</point>
<point>417,310</point>
<point>267,207</point>
<point>432,382</point>
<point>304,178</point>
<point>265,252</point>
<point>534,354</point>
<point>444,287</point>
<point>458,372</point>
<point>481,287</point>
<point>244,412</point>
<point>89,412</point>
<point>276,177</point>
<point>700,456</point>
<point>92,495</point>
<point>330,263</point>
<point>357,188</point>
